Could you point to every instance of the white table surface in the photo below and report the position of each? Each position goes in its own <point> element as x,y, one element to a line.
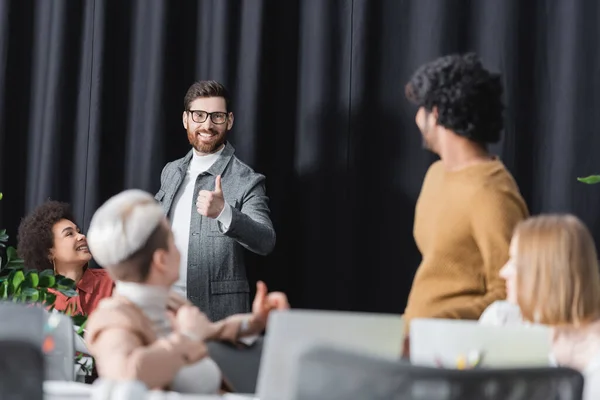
<point>58,390</point>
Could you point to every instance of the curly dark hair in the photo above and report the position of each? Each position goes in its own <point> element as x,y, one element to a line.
<point>35,237</point>
<point>468,97</point>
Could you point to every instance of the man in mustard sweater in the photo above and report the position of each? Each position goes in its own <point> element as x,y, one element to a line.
<point>469,202</point>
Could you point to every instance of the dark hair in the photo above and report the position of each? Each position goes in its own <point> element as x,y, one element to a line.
<point>468,97</point>
<point>206,89</point>
<point>137,266</point>
<point>35,237</point>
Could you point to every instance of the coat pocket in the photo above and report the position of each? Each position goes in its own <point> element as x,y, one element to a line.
<point>229,298</point>
<point>229,287</point>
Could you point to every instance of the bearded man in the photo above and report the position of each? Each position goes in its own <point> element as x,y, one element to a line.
<point>217,206</point>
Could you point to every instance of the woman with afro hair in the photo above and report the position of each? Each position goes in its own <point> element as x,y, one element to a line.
<point>48,238</point>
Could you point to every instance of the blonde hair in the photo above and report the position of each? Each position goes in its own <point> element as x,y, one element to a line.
<point>122,226</point>
<point>558,279</point>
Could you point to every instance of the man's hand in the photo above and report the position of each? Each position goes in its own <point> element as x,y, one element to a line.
<point>191,322</point>
<point>210,204</point>
<point>264,302</point>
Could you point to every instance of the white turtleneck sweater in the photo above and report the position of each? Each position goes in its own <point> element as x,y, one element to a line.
<point>181,210</point>
<point>203,377</point>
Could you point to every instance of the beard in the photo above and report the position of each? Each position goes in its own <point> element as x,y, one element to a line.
<point>207,147</point>
<point>427,137</point>
<point>426,141</point>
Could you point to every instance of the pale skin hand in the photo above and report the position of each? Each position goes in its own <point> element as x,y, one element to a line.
<point>211,203</point>
<point>265,302</point>
<point>190,321</point>
<point>175,301</point>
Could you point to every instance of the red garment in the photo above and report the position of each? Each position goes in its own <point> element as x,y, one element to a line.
<point>94,285</point>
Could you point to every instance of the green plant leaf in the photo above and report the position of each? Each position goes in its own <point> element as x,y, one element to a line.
<point>4,290</point>
<point>6,271</point>
<point>79,320</point>
<point>16,263</point>
<point>9,280</point>
<point>47,281</point>
<point>11,253</point>
<point>30,294</point>
<point>50,300</point>
<point>25,285</point>
<point>32,279</point>
<point>81,330</point>
<point>65,283</point>
<point>47,272</point>
<point>67,292</point>
<point>590,180</point>
<point>17,279</point>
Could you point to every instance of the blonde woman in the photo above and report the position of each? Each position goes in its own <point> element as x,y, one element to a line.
<point>552,278</point>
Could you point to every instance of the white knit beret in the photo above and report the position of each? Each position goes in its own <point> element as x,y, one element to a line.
<point>122,225</point>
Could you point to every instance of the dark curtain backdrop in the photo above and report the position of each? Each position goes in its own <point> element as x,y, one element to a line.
<point>91,96</point>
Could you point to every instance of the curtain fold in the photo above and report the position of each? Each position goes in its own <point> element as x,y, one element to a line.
<point>145,120</point>
<point>91,96</point>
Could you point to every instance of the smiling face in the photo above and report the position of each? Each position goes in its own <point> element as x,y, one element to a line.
<point>207,136</point>
<point>70,245</point>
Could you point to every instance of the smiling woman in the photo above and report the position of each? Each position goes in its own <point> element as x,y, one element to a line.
<point>50,239</point>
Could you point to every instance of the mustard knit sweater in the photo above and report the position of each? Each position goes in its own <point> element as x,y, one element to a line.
<point>464,221</point>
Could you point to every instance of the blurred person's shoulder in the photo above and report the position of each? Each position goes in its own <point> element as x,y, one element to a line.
<point>501,313</point>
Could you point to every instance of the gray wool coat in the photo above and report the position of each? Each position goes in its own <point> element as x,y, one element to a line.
<point>216,278</point>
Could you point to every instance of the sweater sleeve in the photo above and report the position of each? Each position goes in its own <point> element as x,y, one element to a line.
<point>495,214</point>
<point>236,327</point>
<point>119,354</point>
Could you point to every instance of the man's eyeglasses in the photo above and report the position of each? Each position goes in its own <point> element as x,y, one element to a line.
<point>217,117</point>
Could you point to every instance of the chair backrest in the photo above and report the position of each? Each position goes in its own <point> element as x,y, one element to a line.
<point>32,324</point>
<point>239,365</point>
<point>60,361</point>
<point>443,342</point>
<point>21,370</point>
<point>290,331</point>
<point>327,373</point>
<point>26,322</point>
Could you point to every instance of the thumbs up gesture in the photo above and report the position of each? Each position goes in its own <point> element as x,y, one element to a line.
<point>211,203</point>
<point>264,302</point>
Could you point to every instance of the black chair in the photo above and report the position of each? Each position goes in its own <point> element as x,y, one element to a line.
<point>239,364</point>
<point>21,371</point>
<point>325,373</point>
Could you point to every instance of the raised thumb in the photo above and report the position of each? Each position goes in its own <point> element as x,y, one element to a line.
<point>218,184</point>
